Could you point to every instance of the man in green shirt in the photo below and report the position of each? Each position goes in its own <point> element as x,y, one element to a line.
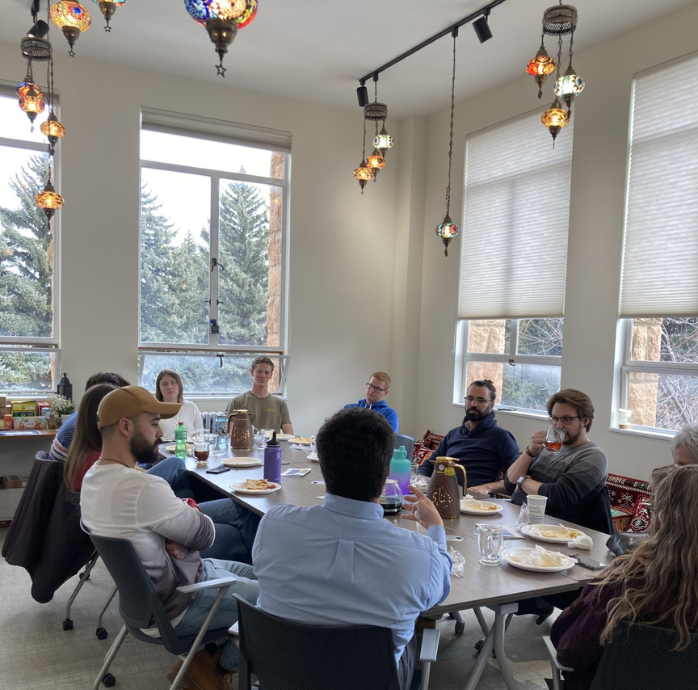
<point>268,412</point>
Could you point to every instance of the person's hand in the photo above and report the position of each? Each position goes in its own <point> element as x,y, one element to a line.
<point>484,489</point>
<point>536,444</point>
<point>175,549</point>
<point>422,510</point>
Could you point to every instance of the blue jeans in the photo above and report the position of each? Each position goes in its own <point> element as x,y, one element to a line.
<point>236,526</point>
<point>227,613</point>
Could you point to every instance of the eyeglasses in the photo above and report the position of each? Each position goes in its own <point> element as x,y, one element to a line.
<point>565,420</point>
<point>480,401</point>
<point>375,389</point>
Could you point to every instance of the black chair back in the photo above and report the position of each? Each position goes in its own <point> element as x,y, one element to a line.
<point>640,657</point>
<point>293,656</point>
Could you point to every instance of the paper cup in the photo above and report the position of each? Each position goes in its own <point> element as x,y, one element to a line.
<point>536,508</point>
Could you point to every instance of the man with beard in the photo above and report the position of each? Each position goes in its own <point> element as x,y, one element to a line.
<point>483,448</point>
<point>574,478</point>
<point>119,500</point>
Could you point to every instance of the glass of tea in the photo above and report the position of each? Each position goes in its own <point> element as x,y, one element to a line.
<point>201,451</point>
<point>554,438</point>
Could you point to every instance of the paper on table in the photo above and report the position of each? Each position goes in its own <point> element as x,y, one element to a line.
<point>295,472</point>
<point>584,541</point>
<point>542,558</point>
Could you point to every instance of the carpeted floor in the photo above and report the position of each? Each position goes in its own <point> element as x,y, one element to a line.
<point>36,654</point>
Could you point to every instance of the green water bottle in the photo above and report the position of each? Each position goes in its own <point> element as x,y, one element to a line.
<point>400,468</point>
<point>181,441</point>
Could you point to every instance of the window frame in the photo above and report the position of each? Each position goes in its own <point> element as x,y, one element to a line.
<point>510,358</point>
<point>216,177</point>
<point>29,344</point>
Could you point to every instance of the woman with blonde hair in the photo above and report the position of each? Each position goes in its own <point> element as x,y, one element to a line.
<point>168,388</point>
<point>657,584</point>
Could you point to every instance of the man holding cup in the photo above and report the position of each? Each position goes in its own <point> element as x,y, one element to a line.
<point>573,478</point>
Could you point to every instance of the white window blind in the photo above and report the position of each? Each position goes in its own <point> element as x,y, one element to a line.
<point>660,254</point>
<point>515,222</point>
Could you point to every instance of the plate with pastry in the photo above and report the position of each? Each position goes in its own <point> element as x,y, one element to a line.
<point>241,462</point>
<point>300,440</point>
<point>471,506</point>
<point>538,560</point>
<point>256,487</point>
<point>555,534</point>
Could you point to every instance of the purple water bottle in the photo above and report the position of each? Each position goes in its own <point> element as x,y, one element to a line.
<point>272,460</point>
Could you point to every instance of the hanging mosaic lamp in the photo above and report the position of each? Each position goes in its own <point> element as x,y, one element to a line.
<point>363,174</point>
<point>376,162</point>
<point>540,67</point>
<point>222,19</point>
<point>49,200</point>
<point>31,99</point>
<point>446,230</point>
<point>108,7</point>
<point>383,141</point>
<point>569,86</point>
<point>52,129</point>
<point>555,118</point>
<point>72,19</point>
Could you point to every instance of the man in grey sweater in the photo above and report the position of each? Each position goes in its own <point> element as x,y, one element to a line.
<point>574,478</point>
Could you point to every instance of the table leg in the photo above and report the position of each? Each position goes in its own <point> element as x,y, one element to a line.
<point>494,640</point>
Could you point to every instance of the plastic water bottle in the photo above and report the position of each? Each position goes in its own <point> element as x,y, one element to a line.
<point>400,468</point>
<point>181,441</point>
<point>272,460</point>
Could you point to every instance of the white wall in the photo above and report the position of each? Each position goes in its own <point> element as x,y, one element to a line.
<point>601,117</point>
<point>342,244</point>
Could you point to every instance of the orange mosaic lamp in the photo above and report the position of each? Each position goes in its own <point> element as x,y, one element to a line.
<point>72,19</point>
<point>540,67</point>
<point>555,118</point>
<point>376,162</point>
<point>363,174</point>
<point>52,129</point>
<point>108,7</point>
<point>31,99</point>
<point>49,200</point>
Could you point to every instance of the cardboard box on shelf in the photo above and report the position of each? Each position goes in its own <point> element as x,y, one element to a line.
<point>30,423</point>
<point>11,481</point>
<point>3,401</point>
<point>9,421</point>
<point>23,406</point>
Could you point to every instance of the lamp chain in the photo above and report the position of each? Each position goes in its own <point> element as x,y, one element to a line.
<point>571,44</point>
<point>363,151</point>
<point>450,139</point>
<point>559,54</point>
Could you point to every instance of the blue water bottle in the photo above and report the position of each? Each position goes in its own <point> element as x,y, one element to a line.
<point>272,460</point>
<point>400,468</point>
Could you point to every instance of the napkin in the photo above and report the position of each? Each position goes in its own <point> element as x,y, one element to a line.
<point>541,557</point>
<point>583,541</point>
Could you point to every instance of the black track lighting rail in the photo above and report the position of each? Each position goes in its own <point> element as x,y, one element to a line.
<point>483,11</point>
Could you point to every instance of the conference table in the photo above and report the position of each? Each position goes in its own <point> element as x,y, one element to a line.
<point>495,587</point>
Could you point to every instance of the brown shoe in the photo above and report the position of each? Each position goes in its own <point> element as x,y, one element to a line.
<point>172,674</point>
<point>201,674</point>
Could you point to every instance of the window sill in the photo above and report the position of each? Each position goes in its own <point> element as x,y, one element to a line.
<point>526,414</point>
<point>644,432</point>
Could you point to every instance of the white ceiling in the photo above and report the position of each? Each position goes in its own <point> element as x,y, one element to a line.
<point>315,50</point>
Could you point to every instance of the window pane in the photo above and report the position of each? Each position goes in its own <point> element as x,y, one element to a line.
<point>524,386</point>
<point>202,374</point>
<point>26,247</point>
<point>665,340</point>
<point>211,155</point>
<point>175,257</point>
<point>540,337</point>
<point>16,124</point>
<point>250,250</point>
<point>664,401</point>
<point>490,336</point>
<point>26,371</point>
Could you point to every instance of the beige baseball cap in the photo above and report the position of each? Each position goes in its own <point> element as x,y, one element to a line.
<point>130,401</point>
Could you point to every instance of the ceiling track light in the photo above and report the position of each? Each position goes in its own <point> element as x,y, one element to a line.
<point>39,30</point>
<point>362,95</point>
<point>482,28</point>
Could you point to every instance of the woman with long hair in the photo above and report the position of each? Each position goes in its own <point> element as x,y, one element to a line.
<point>657,584</point>
<point>168,388</point>
<point>86,445</point>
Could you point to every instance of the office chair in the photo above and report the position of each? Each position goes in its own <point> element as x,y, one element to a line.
<point>140,607</point>
<point>639,657</point>
<point>293,656</point>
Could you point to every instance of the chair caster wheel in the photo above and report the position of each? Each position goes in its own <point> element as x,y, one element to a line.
<point>109,680</point>
<point>101,633</point>
<point>460,627</point>
<point>67,624</point>
<point>480,644</point>
<point>84,576</point>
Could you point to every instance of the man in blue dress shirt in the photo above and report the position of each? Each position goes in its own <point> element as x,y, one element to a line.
<point>341,563</point>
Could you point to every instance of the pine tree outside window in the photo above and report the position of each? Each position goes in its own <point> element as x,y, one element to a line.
<point>29,353</point>
<point>212,273</point>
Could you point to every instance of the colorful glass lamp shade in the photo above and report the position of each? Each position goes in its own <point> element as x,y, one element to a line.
<point>376,162</point>
<point>568,86</point>
<point>72,19</point>
<point>31,100</point>
<point>108,7</point>
<point>383,141</point>
<point>222,19</point>
<point>49,200</point>
<point>555,118</point>
<point>363,174</point>
<point>447,230</point>
<point>52,129</point>
<point>540,67</point>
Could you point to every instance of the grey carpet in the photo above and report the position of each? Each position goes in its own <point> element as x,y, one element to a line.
<point>36,654</point>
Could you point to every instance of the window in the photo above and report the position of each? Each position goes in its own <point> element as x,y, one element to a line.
<point>29,355</point>
<point>659,289</point>
<point>514,262</point>
<point>212,271</point>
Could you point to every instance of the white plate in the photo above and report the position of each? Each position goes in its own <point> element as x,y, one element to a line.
<point>314,457</point>
<point>464,508</point>
<point>241,462</point>
<point>283,437</point>
<point>241,488</point>
<point>532,531</point>
<point>171,448</point>
<point>506,555</point>
<point>300,440</point>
